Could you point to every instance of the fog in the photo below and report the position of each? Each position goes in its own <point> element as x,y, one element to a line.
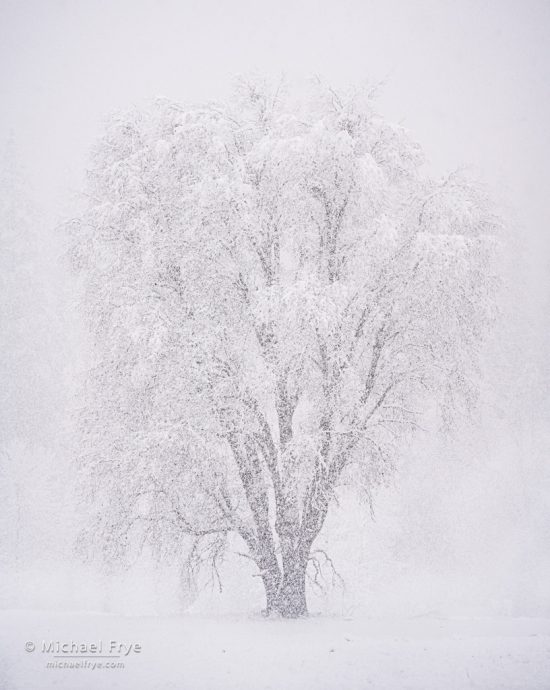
<point>462,527</point>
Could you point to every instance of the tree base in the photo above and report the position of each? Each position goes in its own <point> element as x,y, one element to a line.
<point>288,604</point>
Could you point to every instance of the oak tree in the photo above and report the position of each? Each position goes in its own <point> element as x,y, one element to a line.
<point>276,291</point>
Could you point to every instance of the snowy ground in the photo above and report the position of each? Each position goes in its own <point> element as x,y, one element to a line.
<point>190,653</point>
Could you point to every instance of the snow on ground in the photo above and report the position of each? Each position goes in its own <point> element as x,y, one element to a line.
<point>191,653</point>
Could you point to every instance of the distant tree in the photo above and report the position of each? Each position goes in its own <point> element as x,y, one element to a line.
<point>276,292</point>
<point>30,380</point>
<point>18,230</point>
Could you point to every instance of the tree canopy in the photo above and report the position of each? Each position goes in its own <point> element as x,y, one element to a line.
<point>277,291</point>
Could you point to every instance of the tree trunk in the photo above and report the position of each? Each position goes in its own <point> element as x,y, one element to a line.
<point>272,583</point>
<point>289,599</point>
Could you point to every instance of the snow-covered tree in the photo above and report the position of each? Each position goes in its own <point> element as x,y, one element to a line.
<point>276,291</point>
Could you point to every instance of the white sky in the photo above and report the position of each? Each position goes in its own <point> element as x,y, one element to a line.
<point>469,78</point>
